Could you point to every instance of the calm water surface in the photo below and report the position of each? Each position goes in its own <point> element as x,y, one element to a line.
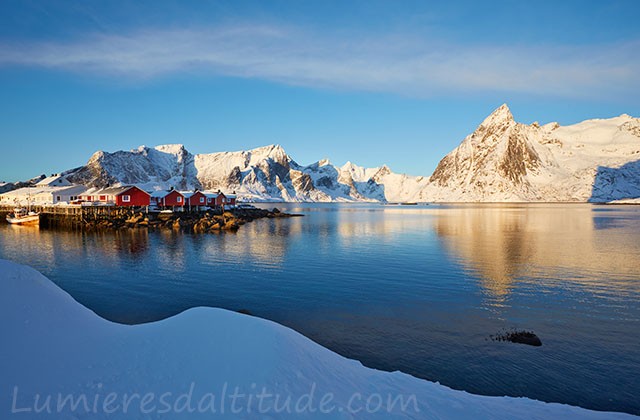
<point>416,289</point>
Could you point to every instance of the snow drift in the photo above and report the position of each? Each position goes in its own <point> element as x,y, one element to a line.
<point>59,357</point>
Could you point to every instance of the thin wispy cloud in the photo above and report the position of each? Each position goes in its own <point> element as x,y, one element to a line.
<point>397,64</point>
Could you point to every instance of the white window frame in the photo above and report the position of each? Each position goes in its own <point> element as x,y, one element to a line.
<point>126,198</point>
<point>179,199</point>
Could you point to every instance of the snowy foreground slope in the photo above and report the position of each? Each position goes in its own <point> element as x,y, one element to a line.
<point>502,160</point>
<point>187,365</point>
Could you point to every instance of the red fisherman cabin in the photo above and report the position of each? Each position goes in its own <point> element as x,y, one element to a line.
<point>128,196</point>
<point>194,199</point>
<point>172,198</point>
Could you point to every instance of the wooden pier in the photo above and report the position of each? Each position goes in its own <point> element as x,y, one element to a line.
<point>74,216</point>
<point>197,220</point>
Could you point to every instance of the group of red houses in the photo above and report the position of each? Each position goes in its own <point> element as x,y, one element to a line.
<point>133,196</point>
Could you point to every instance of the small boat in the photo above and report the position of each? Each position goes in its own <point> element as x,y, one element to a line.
<point>23,217</point>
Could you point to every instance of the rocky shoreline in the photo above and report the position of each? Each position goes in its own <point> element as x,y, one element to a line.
<point>195,222</point>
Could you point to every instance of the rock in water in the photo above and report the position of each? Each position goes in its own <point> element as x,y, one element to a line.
<point>525,337</point>
<point>518,336</point>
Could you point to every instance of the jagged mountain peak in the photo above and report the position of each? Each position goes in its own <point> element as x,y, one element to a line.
<point>501,115</point>
<point>384,169</point>
<point>503,160</point>
<point>96,156</point>
<point>275,152</point>
<point>381,172</point>
<point>272,150</point>
<point>499,154</point>
<point>174,149</point>
<point>351,167</point>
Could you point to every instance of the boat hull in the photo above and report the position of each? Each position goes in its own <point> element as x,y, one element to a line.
<point>25,220</point>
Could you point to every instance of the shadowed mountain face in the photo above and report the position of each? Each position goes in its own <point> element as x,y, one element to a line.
<point>616,183</point>
<point>502,160</point>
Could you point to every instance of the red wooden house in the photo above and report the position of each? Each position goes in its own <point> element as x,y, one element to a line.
<point>124,196</point>
<point>195,199</point>
<point>220,199</point>
<point>231,199</point>
<point>216,199</point>
<point>211,198</point>
<point>172,198</point>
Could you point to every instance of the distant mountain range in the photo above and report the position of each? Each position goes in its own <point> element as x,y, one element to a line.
<point>502,160</point>
<point>265,173</point>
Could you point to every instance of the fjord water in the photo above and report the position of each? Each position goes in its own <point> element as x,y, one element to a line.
<point>413,288</point>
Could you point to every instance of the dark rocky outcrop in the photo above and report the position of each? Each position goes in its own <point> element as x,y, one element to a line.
<point>195,222</point>
<point>518,336</point>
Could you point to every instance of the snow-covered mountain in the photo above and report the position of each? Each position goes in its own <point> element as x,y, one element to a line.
<point>263,173</point>
<point>10,186</point>
<point>158,167</point>
<point>503,160</point>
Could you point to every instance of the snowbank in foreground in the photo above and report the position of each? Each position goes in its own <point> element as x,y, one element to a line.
<point>60,357</point>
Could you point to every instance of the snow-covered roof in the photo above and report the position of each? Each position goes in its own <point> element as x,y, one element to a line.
<point>54,181</point>
<point>163,193</point>
<point>112,191</point>
<point>71,190</point>
<point>44,189</point>
<point>160,194</point>
<point>92,191</point>
<point>41,194</point>
<point>186,194</point>
<point>117,190</point>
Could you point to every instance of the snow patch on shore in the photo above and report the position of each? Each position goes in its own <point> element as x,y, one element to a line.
<point>626,201</point>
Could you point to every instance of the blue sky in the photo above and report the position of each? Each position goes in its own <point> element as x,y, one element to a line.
<point>397,82</point>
